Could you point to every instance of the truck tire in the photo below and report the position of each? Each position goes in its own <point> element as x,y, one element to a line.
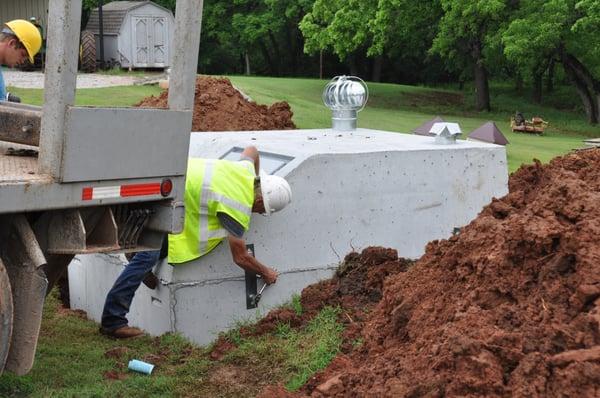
<point>88,51</point>
<point>6,315</point>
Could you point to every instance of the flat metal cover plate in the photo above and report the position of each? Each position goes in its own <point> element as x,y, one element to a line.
<point>120,143</point>
<point>269,162</point>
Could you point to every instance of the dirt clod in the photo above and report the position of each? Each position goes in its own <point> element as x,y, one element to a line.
<point>220,107</point>
<point>116,352</point>
<point>113,375</point>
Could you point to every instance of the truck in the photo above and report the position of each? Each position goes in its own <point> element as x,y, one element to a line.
<point>77,180</point>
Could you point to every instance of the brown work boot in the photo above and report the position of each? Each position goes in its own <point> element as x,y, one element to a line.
<point>124,332</point>
<point>150,280</point>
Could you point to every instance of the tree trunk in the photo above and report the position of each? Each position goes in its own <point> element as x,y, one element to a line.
<point>291,40</point>
<point>377,66</point>
<point>277,55</point>
<point>584,94</point>
<point>352,65</point>
<point>587,87</point>
<point>550,77</point>
<point>537,87</point>
<point>247,64</point>
<point>519,83</point>
<point>482,88</point>
<point>267,56</point>
<point>321,65</point>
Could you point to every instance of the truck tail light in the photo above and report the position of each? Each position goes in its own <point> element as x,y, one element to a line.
<point>166,186</point>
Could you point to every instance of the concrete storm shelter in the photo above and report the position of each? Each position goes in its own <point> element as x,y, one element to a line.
<point>350,190</point>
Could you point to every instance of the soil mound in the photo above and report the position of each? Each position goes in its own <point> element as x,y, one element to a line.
<point>509,307</point>
<point>356,288</point>
<point>220,107</point>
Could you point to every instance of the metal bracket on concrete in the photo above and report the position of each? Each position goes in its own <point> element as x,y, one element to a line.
<point>251,285</point>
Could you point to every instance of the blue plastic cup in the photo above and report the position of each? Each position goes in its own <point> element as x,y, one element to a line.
<point>140,366</point>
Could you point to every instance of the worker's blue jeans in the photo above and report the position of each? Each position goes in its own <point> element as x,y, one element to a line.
<point>121,294</point>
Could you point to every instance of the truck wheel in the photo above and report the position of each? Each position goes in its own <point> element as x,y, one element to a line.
<point>88,51</point>
<point>6,315</point>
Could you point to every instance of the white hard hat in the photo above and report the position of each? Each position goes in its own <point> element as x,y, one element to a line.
<point>276,192</point>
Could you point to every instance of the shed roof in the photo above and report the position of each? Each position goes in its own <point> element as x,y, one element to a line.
<point>113,14</point>
<point>426,127</point>
<point>489,132</point>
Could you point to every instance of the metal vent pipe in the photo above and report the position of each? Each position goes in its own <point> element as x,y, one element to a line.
<point>345,96</point>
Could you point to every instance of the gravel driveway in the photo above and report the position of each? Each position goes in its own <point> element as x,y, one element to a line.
<point>15,78</point>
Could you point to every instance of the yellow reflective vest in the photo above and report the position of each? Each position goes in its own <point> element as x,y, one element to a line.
<point>212,186</point>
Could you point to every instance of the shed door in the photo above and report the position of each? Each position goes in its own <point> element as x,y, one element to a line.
<point>159,34</point>
<point>141,54</point>
<point>150,38</point>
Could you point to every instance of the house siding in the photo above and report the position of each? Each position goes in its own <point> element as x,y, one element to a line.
<point>24,9</point>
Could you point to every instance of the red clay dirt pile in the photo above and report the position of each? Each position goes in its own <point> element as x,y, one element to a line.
<point>508,307</point>
<point>356,288</point>
<point>220,107</point>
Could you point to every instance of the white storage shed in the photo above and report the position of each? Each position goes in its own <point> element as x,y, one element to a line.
<point>137,34</point>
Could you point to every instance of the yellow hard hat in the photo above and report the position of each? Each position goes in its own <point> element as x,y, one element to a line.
<point>28,34</point>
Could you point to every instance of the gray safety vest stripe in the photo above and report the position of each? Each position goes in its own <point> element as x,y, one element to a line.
<point>204,197</point>
<point>234,204</point>
<point>217,234</point>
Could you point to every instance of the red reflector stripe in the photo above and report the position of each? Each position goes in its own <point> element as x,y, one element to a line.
<point>140,189</point>
<point>87,193</point>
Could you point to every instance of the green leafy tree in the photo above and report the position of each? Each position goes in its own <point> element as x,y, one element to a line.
<point>566,30</point>
<point>263,30</point>
<point>465,30</point>
<point>405,27</point>
<point>339,26</point>
<point>403,30</point>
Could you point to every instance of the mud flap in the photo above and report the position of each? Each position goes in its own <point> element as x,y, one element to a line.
<point>6,315</point>
<point>23,260</point>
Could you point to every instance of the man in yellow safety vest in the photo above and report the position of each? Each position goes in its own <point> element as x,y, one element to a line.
<point>220,196</point>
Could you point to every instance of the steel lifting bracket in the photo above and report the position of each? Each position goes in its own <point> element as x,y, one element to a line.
<point>253,296</point>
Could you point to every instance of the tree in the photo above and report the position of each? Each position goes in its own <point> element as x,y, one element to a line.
<point>464,31</point>
<point>566,30</point>
<point>341,26</point>
<point>404,30</point>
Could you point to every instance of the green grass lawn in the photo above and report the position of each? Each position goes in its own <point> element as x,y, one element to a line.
<point>74,360</point>
<point>400,108</point>
<point>397,108</point>
<point>119,96</point>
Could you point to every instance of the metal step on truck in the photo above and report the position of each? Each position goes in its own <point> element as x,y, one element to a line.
<point>76,180</point>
